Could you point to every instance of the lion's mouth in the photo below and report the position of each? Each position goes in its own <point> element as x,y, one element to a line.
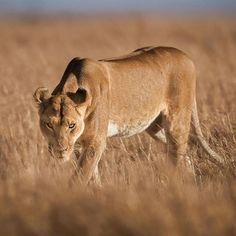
<point>61,155</point>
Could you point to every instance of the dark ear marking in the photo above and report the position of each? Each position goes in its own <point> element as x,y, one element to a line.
<point>41,95</point>
<point>79,97</point>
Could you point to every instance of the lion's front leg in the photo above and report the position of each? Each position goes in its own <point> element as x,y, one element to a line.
<point>88,161</point>
<point>96,178</point>
<point>78,154</point>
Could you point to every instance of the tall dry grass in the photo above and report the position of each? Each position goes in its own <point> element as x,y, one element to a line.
<point>141,195</point>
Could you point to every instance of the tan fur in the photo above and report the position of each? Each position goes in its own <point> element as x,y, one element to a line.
<point>151,89</point>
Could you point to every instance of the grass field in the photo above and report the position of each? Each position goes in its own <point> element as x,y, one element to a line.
<point>140,194</point>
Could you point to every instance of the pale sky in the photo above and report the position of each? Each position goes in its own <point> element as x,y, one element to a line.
<point>114,5</point>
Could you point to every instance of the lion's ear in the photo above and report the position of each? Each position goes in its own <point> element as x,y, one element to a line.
<point>41,94</point>
<point>79,97</point>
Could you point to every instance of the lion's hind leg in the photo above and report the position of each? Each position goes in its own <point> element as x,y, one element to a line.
<point>177,128</point>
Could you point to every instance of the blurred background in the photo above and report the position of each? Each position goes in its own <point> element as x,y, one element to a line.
<point>59,6</point>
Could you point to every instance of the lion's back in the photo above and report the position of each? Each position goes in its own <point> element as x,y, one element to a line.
<point>140,81</point>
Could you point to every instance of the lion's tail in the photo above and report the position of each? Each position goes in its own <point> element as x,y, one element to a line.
<point>200,136</point>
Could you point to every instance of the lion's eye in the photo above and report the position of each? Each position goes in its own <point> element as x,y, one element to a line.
<point>49,125</point>
<point>72,125</point>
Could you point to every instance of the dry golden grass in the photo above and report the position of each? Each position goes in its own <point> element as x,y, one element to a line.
<point>140,194</point>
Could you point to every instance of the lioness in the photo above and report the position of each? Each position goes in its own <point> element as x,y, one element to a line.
<point>152,89</point>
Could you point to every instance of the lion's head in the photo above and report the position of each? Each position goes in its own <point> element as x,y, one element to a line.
<point>61,119</point>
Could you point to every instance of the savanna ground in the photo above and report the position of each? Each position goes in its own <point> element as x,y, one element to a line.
<point>140,194</point>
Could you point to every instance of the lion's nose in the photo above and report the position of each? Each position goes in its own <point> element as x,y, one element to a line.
<point>64,150</point>
<point>62,145</point>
